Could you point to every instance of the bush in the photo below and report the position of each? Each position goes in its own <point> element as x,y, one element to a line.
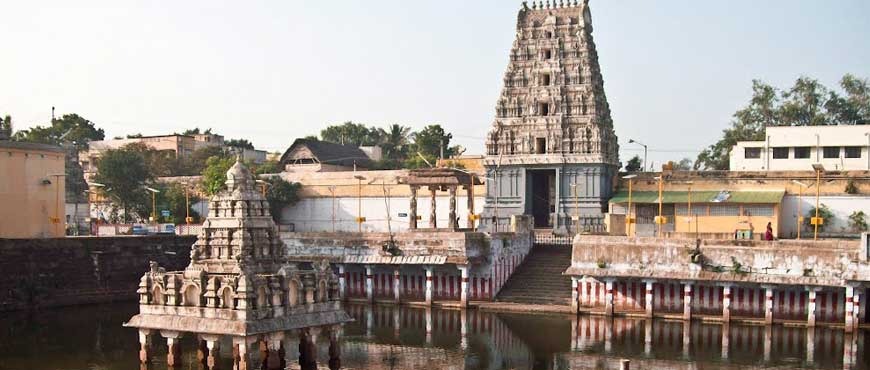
<point>824,212</point>
<point>857,222</point>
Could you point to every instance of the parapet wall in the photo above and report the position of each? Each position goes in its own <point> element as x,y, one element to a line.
<point>71,271</point>
<point>822,263</point>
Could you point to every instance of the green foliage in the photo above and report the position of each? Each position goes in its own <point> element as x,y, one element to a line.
<point>858,222</point>
<point>159,163</point>
<point>395,142</point>
<point>417,162</point>
<point>824,212</point>
<point>125,174</point>
<point>851,187</point>
<point>196,131</point>
<point>135,136</point>
<point>172,198</point>
<point>77,129</point>
<point>806,103</point>
<point>270,166</point>
<point>239,143</point>
<point>431,140</point>
<point>6,127</point>
<point>685,164</point>
<point>633,164</point>
<point>280,194</point>
<point>197,162</point>
<point>350,133</point>
<point>215,174</point>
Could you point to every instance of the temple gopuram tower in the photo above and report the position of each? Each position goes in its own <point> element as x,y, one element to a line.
<point>240,284</point>
<point>552,151</point>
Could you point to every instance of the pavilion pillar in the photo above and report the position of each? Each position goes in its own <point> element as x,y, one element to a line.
<point>370,284</point>
<point>608,297</point>
<point>687,301</point>
<point>463,286</point>
<point>849,308</point>
<point>212,343</point>
<point>558,212</point>
<point>145,336</point>
<point>241,355</point>
<point>452,222</point>
<point>397,285</point>
<point>334,347</point>
<point>575,304</point>
<point>429,269</point>
<point>768,304</point>
<point>412,220</point>
<point>312,347</point>
<point>469,194</point>
<point>275,352</point>
<point>342,282</point>
<point>433,215</point>
<point>173,354</point>
<point>726,303</point>
<point>811,306</point>
<point>648,297</point>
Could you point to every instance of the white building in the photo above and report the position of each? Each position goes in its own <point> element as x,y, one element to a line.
<point>840,148</point>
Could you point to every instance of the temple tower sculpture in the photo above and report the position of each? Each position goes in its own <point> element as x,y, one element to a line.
<point>551,152</point>
<point>240,284</point>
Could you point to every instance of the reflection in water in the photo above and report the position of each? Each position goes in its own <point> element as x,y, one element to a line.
<point>389,337</point>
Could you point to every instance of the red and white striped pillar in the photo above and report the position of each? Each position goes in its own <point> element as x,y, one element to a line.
<point>575,305</point>
<point>463,286</point>
<point>428,284</point>
<point>608,297</point>
<point>811,306</point>
<point>850,307</point>
<point>397,284</point>
<point>370,285</point>
<point>768,304</point>
<point>687,300</point>
<point>342,282</point>
<point>726,303</point>
<point>648,299</point>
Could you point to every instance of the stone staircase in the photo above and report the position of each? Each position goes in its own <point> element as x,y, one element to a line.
<point>539,279</point>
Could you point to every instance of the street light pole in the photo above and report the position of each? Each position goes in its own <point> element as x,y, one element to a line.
<point>56,219</point>
<point>816,221</point>
<point>800,216</point>
<point>359,219</point>
<point>629,219</point>
<point>660,219</point>
<point>632,141</point>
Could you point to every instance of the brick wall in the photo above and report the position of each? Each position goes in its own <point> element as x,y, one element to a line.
<point>72,271</point>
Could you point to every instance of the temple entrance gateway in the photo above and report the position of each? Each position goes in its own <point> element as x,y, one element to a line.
<point>541,191</point>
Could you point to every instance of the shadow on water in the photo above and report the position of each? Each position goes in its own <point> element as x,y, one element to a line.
<point>389,337</point>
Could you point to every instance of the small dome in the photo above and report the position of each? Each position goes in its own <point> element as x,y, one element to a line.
<point>237,175</point>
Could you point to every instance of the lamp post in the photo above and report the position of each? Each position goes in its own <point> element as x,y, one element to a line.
<point>263,185</point>
<point>332,192</point>
<point>56,219</point>
<point>359,219</point>
<point>800,216</point>
<point>633,141</point>
<point>660,219</point>
<point>153,203</point>
<point>816,221</point>
<point>629,219</point>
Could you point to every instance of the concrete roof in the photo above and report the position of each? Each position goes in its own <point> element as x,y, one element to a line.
<point>23,145</point>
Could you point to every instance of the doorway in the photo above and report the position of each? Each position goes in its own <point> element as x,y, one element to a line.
<point>541,193</point>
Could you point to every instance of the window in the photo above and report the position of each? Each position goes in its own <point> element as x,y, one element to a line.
<point>801,152</point>
<point>724,210</point>
<point>545,80</point>
<point>540,145</point>
<point>752,153</point>
<point>853,152</point>
<point>831,152</point>
<point>758,210</point>
<point>544,109</point>
<point>548,34</point>
<point>548,54</point>
<point>780,153</point>
<point>697,209</point>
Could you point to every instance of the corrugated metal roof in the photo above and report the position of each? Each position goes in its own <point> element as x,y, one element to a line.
<point>757,197</point>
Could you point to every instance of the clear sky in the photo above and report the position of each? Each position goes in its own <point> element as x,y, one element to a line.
<point>272,71</point>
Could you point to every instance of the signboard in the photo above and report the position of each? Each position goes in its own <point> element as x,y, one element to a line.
<point>403,214</point>
<point>165,213</point>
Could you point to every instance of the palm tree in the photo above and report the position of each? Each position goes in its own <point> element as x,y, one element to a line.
<point>6,128</point>
<point>395,142</point>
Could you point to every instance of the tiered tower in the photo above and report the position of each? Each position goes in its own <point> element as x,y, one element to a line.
<point>552,135</point>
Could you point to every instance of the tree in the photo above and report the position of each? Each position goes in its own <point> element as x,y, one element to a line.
<point>174,198</point>
<point>159,163</point>
<point>350,133</point>
<point>803,104</point>
<point>135,136</point>
<point>685,164</point>
<point>633,164</point>
<point>214,175</point>
<point>125,175</point>
<point>197,162</point>
<point>280,194</point>
<point>77,129</point>
<point>824,212</point>
<point>431,141</point>
<point>395,142</point>
<point>6,127</point>
<point>858,222</point>
<point>270,166</point>
<point>196,131</point>
<point>239,143</point>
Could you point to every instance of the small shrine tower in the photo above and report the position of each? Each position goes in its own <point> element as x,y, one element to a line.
<point>240,284</point>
